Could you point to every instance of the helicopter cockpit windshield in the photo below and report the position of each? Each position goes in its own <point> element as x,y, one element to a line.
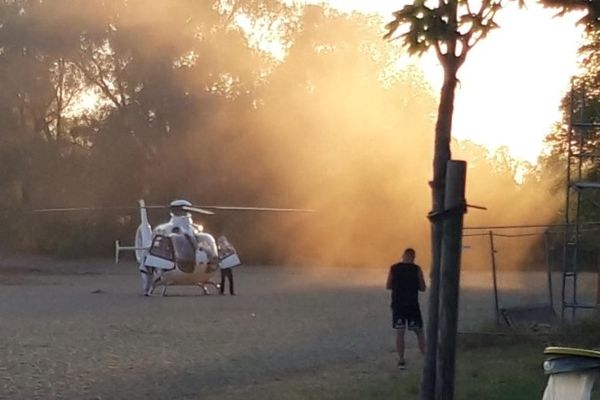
<point>184,251</point>
<point>162,247</point>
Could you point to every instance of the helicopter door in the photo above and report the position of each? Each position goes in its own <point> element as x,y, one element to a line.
<point>161,253</point>
<point>184,251</point>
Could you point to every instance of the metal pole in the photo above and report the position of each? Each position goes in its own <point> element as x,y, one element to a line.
<point>580,150</point>
<point>494,276</point>
<point>598,278</point>
<point>455,207</point>
<point>576,250</point>
<point>565,260</point>
<point>549,269</point>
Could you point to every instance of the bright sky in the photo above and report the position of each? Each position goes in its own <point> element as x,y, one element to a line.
<point>512,82</point>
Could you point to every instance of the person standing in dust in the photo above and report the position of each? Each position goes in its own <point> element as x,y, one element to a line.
<point>405,280</point>
<point>225,250</point>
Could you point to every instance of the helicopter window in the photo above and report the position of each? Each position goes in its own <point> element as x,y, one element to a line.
<point>162,247</point>
<point>184,248</point>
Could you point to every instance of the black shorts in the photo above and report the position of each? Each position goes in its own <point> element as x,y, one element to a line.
<point>407,317</point>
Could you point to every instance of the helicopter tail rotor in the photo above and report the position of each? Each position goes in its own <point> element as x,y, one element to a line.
<point>119,249</point>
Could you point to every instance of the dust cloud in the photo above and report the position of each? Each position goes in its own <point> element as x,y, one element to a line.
<point>191,110</point>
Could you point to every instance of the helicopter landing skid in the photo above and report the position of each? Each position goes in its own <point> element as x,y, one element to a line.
<point>202,285</point>
<point>206,285</point>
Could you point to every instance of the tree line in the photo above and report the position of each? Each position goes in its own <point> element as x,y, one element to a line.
<point>236,102</point>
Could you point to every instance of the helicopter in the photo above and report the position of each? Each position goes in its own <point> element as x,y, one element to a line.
<point>179,252</point>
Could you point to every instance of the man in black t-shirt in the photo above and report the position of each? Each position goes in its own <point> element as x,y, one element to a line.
<point>405,280</point>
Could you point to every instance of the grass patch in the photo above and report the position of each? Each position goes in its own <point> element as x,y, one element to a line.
<point>507,366</point>
<point>505,371</point>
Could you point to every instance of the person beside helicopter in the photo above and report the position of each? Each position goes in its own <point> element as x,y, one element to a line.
<point>225,250</point>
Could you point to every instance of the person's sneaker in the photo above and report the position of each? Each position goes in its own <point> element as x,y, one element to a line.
<point>401,365</point>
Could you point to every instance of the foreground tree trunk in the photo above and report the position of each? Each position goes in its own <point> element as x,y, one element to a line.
<point>449,287</point>
<point>441,157</point>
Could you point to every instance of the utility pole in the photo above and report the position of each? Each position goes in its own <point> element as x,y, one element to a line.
<point>455,207</point>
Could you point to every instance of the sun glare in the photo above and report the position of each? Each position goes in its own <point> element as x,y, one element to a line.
<point>512,83</point>
<point>87,101</point>
<point>262,37</point>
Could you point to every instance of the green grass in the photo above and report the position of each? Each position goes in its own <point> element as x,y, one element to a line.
<point>510,371</point>
<point>483,372</point>
<point>491,367</point>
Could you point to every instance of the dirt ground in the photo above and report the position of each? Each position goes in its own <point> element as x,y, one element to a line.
<point>80,330</point>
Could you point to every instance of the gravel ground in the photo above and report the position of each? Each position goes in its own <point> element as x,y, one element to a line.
<point>80,330</point>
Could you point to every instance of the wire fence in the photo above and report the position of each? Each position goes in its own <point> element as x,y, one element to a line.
<point>522,266</point>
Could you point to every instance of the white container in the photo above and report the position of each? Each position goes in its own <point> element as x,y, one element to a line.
<point>230,261</point>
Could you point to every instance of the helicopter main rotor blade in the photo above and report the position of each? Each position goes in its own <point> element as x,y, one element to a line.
<point>69,209</point>
<point>200,210</point>
<point>265,209</point>
<point>197,210</point>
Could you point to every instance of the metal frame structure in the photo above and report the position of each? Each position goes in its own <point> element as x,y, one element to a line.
<point>548,230</point>
<point>500,311</point>
<point>580,154</point>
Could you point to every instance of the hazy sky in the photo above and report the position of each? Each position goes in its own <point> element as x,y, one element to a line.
<point>512,82</point>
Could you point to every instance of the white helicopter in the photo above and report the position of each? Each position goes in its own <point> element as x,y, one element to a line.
<point>179,252</point>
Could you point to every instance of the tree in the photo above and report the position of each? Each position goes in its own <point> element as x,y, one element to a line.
<point>159,70</point>
<point>451,28</point>
<point>580,106</point>
<point>591,19</point>
<point>583,100</point>
<point>38,85</point>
